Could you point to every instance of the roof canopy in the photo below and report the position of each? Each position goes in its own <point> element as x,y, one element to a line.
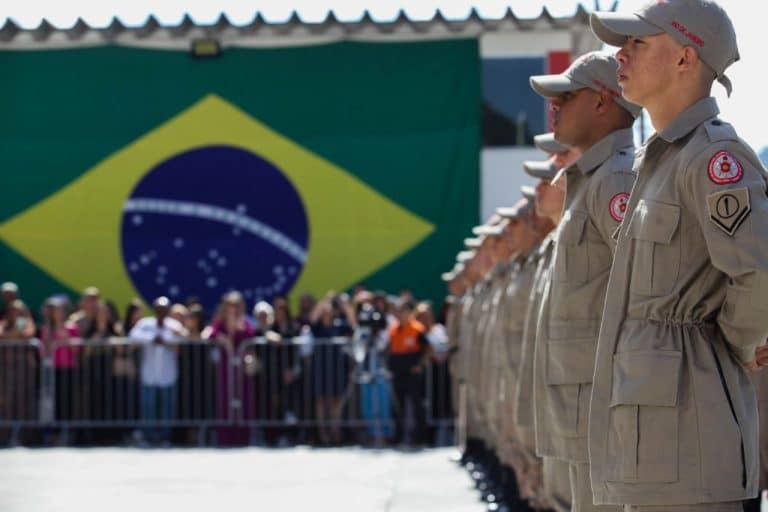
<point>293,31</point>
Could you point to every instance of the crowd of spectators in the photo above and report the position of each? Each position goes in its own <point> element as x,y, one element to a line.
<point>300,375</point>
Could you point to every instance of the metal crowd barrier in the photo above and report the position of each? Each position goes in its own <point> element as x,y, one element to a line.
<point>21,383</point>
<point>117,382</point>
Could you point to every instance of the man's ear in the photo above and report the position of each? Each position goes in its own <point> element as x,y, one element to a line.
<point>688,58</point>
<point>603,100</point>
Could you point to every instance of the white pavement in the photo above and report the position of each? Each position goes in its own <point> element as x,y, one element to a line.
<point>191,480</point>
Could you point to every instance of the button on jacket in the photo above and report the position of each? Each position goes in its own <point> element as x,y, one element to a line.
<point>673,416</point>
<point>597,189</point>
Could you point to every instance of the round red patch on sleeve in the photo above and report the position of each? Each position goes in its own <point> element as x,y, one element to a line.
<point>618,206</point>
<point>724,168</point>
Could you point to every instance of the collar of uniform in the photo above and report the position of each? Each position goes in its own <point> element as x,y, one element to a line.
<point>689,119</point>
<point>602,151</point>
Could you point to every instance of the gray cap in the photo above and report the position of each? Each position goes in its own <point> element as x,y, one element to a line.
<point>593,70</point>
<point>702,24</point>
<point>528,192</point>
<point>547,143</point>
<point>473,243</point>
<point>448,276</point>
<point>489,230</point>
<point>521,209</point>
<point>491,227</point>
<point>544,170</point>
<point>465,256</point>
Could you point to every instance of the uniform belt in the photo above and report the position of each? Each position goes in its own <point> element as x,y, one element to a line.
<point>706,324</point>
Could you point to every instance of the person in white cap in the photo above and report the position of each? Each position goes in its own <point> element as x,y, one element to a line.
<point>673,421</point>
<point>9,293</point>
<point>590,115</point>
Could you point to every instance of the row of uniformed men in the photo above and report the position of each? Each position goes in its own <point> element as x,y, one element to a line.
<point>607,324</point>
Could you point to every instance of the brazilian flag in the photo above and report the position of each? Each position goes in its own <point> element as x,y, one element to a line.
<point>276,171</point>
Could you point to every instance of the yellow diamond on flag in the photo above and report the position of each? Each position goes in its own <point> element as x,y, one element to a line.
<point>75,234</point>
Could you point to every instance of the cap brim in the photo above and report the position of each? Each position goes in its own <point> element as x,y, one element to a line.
<point>511,212</point>
<point>473,243</point>
<point>547,143</point>
<point>465,256</point>
<point>542,170</point>
<point>551,86</point>
<point>486,230</point>
<point>613,28</point>
<point>528,192</point>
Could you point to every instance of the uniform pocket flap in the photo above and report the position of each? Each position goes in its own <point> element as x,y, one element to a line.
<point>654,222</point>
<point>572,228</point>
<point>646,378</point>
<point>571,362</point>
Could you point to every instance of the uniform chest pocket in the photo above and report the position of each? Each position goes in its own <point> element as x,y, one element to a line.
<point>571,255</point>
<point>656,255</point>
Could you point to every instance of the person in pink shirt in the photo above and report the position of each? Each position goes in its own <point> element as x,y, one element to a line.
<point>57,335</point>
<point>230,328</point>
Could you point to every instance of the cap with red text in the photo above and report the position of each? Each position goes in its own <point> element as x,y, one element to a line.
<point>701,24</point>
<point>593,70</point>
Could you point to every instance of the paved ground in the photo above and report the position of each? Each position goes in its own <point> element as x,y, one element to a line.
<point>301,479</point>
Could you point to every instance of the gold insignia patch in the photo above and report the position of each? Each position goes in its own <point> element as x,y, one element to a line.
<point>729,208</point>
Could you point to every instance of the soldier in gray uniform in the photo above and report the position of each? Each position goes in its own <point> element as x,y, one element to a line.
<point>673,420</point>
<point>494,355</point>
<point>496,275</point>
<point>459,363</point>
<point>547,479</point>
<point>523,233</point>
<point>473,274</point>
<point>591,115</point>
<point>481,265</point>
<point>456,285</point>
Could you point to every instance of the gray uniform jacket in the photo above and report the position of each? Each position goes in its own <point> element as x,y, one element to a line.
<point>479,313</point>
<point>597,191</point>
<point>512,319</point>
<point>493,345</point>
<point>466,351</point>
<point>673,417</point>
<point>463,341</point>
<point>540,260</point>
<point>514,306</point>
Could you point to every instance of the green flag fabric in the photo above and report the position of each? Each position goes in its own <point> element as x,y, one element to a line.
<point>277,171</point>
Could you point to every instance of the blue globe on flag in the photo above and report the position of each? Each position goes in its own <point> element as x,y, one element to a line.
<point>211,220</point>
